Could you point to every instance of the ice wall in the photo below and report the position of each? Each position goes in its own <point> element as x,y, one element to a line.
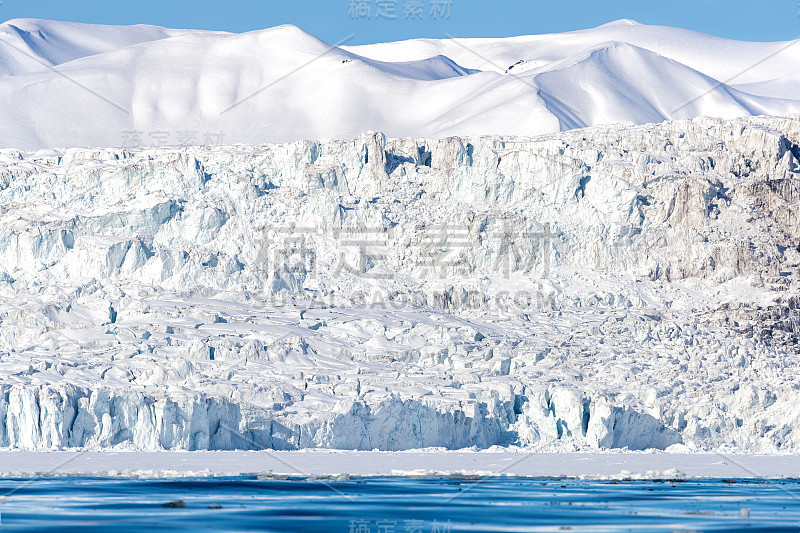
<point>609,287</point>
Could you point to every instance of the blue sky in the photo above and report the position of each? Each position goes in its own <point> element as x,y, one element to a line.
<point>332,20</point>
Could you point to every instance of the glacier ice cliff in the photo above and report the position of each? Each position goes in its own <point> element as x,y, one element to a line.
<point>613,287</point>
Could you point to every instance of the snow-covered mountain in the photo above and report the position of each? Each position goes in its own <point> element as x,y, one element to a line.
<point>68,85</point>
<point>608,287</point>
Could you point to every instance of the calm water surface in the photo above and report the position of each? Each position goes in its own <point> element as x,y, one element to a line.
<point>398,505</point>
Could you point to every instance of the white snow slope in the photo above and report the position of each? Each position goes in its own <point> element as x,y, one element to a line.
<point>432,462</point>
<point>608,287</point>
<point>70,85</point>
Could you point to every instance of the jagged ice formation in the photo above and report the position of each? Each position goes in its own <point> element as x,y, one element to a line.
<point>607,287</point>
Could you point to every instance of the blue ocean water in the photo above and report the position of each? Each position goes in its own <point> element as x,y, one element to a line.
<point>398,505</point>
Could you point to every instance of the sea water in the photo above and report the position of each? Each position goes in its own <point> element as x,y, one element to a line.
<point>398,505</point>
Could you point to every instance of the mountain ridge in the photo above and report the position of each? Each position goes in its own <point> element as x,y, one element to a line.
<point>81,85</point>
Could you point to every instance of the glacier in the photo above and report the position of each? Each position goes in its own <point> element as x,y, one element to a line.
<point>617,287</point>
